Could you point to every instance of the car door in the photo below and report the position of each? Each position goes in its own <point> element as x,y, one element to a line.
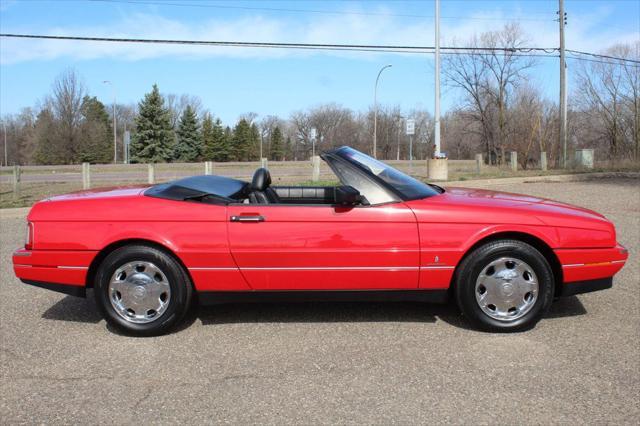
<point>323,247</point>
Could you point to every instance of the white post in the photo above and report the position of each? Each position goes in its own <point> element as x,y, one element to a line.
<point>151,173</point>
<point>543,161</point>
<point>86,176</point>
<point>264,163</point>
<point>315,161</point>
<point>513,161</point>
<point>479,163</point>
<point>16,180</point>
<point>208,167</point>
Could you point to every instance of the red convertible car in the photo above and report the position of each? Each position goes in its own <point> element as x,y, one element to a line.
<point>382,235</point>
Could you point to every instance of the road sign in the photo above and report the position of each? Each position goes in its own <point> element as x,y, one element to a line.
<point>411,126</point>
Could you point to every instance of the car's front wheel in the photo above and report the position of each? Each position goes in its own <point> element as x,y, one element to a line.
<point>142,290</point>
<point>504,285</point>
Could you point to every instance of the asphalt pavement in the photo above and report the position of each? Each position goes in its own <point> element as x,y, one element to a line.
<point>321,363</point>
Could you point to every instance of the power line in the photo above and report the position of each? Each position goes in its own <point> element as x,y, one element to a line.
<point>310,11</point>
<point>269,44</point>
<point>577,58</point>
<point>452,50</point>
<point>598,55</point>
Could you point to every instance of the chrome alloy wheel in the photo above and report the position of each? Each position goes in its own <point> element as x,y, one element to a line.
<point>506,289</point>
<point>139,292</point>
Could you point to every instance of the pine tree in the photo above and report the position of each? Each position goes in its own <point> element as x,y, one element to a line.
<point>288,148</point>
<point>152,140</point>
<point>228,143</point>
<point>216,146</point>
<point>188,146</point>
<point>96,133</point>
<point>206,134</point>
<point>241,147</point>
<point>277,150</point>
<point>254,143</point>
<point>45,135</point>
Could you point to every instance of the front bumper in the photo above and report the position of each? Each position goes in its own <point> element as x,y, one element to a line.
<point>586,270</point>
<point>580,287</point>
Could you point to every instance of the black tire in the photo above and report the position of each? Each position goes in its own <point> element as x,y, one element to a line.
<point>473,264</point>
<point>178,280</point>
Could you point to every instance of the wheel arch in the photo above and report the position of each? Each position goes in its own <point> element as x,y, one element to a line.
<point>102,254</point>
<point>534,241</point>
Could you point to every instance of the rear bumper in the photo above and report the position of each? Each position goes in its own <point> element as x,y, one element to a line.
<point>72,290</point>
<point>57,270</point>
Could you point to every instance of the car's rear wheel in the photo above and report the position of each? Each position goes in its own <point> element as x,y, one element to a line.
<point>504,285</point>
<point>142,290</point>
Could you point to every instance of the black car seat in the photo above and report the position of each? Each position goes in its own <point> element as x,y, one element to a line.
<point>261,193</point>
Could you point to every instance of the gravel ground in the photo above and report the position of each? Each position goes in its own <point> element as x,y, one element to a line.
<point>330,363</point>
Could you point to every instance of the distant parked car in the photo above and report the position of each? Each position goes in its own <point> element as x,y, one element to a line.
<point>146,251</point>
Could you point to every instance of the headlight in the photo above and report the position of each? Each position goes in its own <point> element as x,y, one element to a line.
<point>28,243</point>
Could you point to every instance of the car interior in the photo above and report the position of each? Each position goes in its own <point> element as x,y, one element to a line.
<point>260,191</point>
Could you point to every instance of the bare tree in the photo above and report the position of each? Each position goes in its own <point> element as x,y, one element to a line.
<point>607,97</point>
<point>488,79</point>
<point>266,126</point>
<point>631,94</point>
<point>66,106</point>
<point>178,103</point>
<point>125,119</point>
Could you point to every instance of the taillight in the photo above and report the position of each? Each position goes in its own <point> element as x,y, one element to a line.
<point>28,244</point>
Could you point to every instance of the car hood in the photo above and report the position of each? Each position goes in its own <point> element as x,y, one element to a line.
<point>483,206</point>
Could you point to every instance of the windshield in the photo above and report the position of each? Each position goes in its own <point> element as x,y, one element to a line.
<point>410,188</point>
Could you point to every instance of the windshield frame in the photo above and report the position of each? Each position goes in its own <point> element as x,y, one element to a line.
<point>340,153</point>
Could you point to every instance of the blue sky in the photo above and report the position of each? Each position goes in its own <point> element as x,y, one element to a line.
<point>267,81</point>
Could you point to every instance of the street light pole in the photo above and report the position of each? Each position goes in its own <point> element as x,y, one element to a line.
<point>4,125</point>
<point>115,137</point>
<point>375,112</point>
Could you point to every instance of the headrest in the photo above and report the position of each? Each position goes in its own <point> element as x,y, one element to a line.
<point>261,180</point>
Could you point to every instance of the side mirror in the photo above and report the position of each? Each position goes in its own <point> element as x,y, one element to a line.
<point>347,196</point>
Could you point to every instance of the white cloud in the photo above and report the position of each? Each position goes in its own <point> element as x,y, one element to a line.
<point>584,33</point>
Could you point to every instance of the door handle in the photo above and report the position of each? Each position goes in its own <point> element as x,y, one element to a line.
<point>256,218</point>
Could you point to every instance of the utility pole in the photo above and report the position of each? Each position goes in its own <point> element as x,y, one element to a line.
<point>437,91</point>
<point>398,135</point>
<point>563,86</point>
<point>437,167</point>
